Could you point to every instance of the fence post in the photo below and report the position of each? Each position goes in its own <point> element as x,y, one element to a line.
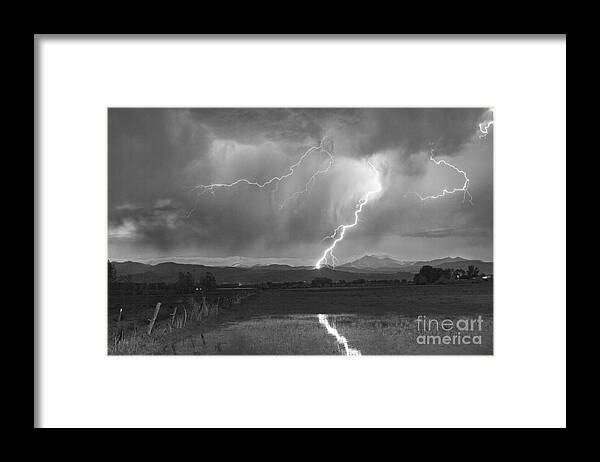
<point>153,320</point>
<point>173,315</point>
<point>121,331</point>
<point>205,311</point>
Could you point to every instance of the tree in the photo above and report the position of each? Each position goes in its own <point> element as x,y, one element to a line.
<point>472,272</point>
<point>112,272</point>
<point>208,282</point>
<point>459,273</point>
<point>185,282</point>
<point>431,274</point>
<point>321,282</point>
<point>420,279</point>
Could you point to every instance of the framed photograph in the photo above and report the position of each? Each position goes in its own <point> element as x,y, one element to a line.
<point>268,223</point>
<point>300,231</point>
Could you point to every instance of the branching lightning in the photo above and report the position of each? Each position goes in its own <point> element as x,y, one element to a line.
<point>311,180</point>
<point>324,146</point>
<point>483,132</point>
<point>464,189</point>
<point>340,231</point>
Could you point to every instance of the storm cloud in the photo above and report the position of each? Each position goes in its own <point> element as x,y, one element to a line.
<point>156,158</point>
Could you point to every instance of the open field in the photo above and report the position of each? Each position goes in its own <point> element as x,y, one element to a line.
<point>371,320</point>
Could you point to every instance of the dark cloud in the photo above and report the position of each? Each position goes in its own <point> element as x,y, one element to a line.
<point>276,125</point>
<point>149,152</point>
<point>415,130</point>
<point>156,156</point>
<point>449,232</point>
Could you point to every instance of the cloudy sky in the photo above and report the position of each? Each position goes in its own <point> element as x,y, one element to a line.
<point>158,158</point>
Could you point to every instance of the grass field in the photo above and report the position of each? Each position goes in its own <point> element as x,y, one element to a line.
<point>371,320</point>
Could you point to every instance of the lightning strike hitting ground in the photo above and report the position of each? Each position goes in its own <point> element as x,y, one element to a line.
<point>464,189</point>
<point>340,231</point>
<point>324,146</point>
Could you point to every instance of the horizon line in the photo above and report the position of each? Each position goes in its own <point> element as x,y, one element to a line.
<point>152,262</point>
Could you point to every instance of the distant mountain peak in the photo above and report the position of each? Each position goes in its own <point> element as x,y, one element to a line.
<point>438,261</point>
<point>373,261</point>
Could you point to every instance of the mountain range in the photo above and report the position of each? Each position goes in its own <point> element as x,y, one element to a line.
<point>385,264</point>
<point>369,267</point>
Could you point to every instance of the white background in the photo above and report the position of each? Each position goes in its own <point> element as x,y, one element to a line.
<point>523,384</point>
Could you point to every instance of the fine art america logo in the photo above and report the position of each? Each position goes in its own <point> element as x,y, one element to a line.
<point>463,331</point>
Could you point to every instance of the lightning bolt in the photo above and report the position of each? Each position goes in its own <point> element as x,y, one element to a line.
<point>464,189</point>
<point>340,231</point>
<point>483,128</point>
<point>201,189</point>
<point>331,330</point>
<point>311,180</point>
<point>483,132</point>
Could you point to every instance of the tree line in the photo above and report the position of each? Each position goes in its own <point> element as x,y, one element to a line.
<point>429,274</point>
<point>186,282</point>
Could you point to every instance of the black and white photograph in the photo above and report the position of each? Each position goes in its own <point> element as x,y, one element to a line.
<point>300,231</point>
